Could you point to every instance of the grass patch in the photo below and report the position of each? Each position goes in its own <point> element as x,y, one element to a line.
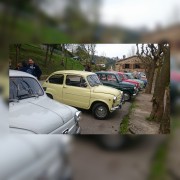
<point>158,168</point>
<point>149,118</point>
<point>38,55</point>
<point>124,126</point>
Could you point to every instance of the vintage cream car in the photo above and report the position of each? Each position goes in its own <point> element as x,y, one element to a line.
<point>83,89</point>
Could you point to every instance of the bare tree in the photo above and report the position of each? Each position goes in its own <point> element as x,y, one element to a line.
<point>52,47</point>
<point>162,83</point>
<point>64,50</point>
<point>91,49</point>
<point>82,52</point>
<point>18,48</point>
<point>149,63</point>
<point>132,51</point>
<point>150,55</point>
<point>46,56</point>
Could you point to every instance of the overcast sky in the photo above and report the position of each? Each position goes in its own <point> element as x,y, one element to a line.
<point>114,50</point>
<point>140,13</point>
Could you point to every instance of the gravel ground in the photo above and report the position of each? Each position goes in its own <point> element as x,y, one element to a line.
<point>111,125</point>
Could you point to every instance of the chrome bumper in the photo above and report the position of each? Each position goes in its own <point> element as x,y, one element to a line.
<point>75,129</point>
<point>78,130</point>
<point>116,107</point>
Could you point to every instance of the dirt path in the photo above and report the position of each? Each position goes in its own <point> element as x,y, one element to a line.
<point>138,122</point>
<point>91,162</point>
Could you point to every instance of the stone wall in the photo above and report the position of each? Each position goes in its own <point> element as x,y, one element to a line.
<point>129,64</point>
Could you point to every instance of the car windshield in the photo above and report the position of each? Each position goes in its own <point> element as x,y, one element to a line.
<point>93,80</point>
<point>24,87</point>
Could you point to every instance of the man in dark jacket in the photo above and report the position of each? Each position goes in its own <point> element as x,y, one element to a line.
<point>23,66</point>
<point>33,69</point>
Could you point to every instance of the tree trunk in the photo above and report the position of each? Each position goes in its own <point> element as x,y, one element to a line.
<point>165,122</point>
<point>158,97</point>
<point>18,47</point>
<point>65,62</point>
<point>157,79</point>
<point>150,78</point>
<point>16,56</point>
<point>51,53</point>
<point>46,57</point>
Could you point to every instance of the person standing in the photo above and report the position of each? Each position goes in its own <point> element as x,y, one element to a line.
<point>88,68</point>
<point>33,69</point>
<point>23,66</point>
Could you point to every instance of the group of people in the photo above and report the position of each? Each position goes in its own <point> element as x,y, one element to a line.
<point>29,67</point>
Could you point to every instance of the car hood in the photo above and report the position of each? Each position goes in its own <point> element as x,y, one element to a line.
<point>41,115</point>
<point>106,90</point>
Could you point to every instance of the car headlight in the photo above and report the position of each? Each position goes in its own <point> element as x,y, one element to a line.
<point>121,92</point>
<point>78,115</point>
<point>114,99</point>
<point>134,87</point>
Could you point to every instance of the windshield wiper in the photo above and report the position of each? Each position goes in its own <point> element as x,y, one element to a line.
<point>34,95</point>
<point>24,96</point>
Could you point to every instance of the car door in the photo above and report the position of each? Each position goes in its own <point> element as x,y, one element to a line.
<point>55,86</point>
<point>75,93</point>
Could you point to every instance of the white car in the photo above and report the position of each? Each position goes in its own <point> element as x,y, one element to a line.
<point>31,157</point>
<point>32,111</point>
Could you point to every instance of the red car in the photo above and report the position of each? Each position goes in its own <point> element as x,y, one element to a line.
<point>125,79</point>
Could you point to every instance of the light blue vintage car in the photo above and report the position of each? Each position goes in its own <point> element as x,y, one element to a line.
<point>142,82</point>
<point>32,111</point>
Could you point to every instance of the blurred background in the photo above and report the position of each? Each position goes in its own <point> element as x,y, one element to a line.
<point>101,21</point>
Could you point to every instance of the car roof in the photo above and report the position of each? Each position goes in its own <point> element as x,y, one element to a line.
<point>16,73</point>
<point>108,72</point>
<point>120,72</point>
<point>73,72</point>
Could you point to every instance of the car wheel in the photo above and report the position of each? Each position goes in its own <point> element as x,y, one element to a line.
<point>100,111</point>
<point>127,96</point>
<point>50,96</point>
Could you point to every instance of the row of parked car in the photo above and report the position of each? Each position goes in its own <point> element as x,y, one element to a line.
<point>51,108</point>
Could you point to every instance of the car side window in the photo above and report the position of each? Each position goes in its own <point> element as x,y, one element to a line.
<point>103,77</point>
<point>56,79</point>
<point>111,77</point>
<point>75,80</point>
